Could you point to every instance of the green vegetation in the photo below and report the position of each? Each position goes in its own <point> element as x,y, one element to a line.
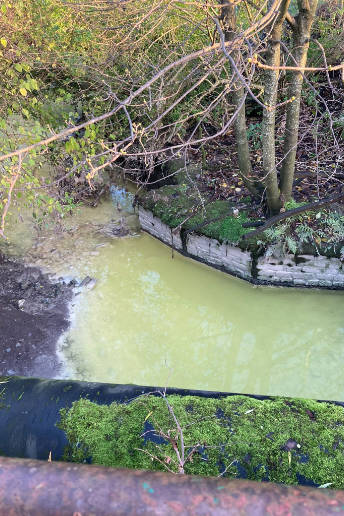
<point>322,231</point>
<point>63,53</point>
<point>282,440</point>
<point>63,63</point>
<point>175,206</point>
<point>58,63</point>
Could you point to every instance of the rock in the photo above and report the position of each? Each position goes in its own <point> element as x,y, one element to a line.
<point>115,229</point>
<point>88,283</point>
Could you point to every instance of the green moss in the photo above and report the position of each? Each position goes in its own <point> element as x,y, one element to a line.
<point>228,229</point>
<point>174,205</point>
<point>250,432</point>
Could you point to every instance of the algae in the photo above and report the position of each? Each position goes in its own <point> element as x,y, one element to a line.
<point>281,440</point>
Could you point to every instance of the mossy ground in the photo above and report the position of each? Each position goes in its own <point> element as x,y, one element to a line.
<point>175,204</point>
<point>315,232</point>
<point>280,440</point>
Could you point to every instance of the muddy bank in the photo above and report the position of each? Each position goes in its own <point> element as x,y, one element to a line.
<point>33,315</point>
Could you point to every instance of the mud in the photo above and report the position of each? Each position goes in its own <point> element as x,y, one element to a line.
<point>33,315</point>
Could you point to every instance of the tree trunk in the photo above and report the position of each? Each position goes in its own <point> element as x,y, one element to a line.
<point>301,37</point>
<point>269,113</point>
<point>229,24</point>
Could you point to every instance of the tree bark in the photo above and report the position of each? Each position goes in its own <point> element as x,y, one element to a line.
<point>269,113</point>
<point>301,36</point>
<point>229,24</point>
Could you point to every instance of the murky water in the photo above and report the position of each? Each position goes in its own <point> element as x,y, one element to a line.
<point>156,320</point>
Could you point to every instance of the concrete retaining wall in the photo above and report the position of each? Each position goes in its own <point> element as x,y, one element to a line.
<point>158,229</point>
<point>290,270</point>
<point>313,271</point>
<point>225,256</point>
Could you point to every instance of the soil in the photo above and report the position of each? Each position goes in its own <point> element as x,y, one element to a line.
<point>33,315</point>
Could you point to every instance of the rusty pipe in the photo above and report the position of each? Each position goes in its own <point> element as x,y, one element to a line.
<point>37,488</point>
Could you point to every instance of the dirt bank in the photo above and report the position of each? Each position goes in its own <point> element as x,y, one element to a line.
<point>33,315</point>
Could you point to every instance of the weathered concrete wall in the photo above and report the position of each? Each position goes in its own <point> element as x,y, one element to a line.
<point>158,229</point>
<point>290,270</point>
<point>315,271</point>
<point>229,257</point>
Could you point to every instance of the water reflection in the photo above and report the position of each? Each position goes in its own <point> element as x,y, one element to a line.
<point>155,320</point>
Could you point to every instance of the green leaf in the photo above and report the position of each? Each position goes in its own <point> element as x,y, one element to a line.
<point>3,42</point>
<point>23,92</point>
<point>33,84</point>
<point>25,112</point>
<point>26,84</point>
<point>18,67</point>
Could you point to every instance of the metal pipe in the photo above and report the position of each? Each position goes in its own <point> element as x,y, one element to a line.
<point>37,488</point>
<point>28,425</point>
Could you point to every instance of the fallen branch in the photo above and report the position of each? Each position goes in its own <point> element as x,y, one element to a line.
<point>295,211</point>
<point>253,224</point>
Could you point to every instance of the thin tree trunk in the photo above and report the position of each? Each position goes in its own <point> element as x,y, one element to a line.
<point>229,23</point>
<point>301,36</point>
<point>269,113</point>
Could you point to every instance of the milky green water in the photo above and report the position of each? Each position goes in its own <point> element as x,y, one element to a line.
<point>156,320</point>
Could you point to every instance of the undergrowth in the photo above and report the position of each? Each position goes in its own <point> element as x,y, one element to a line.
<point>323,230</point>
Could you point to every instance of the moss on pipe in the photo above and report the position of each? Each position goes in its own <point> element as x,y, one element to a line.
<point>282,440</point>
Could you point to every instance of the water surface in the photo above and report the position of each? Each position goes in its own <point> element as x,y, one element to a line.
<point>154,319</point>
<point>157,320</point>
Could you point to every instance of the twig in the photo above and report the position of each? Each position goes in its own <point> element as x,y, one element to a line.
<point>227,468</point>
<point>9,197</point>
<point>154,457</point>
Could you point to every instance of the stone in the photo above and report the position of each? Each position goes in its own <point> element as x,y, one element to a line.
<point>303,270</point>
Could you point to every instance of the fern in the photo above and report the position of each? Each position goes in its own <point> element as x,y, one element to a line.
<point>291,244</point>
<point>305,233</point>
<point>324,227</point>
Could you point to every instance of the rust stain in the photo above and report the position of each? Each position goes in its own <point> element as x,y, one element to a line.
<point>87,490</point>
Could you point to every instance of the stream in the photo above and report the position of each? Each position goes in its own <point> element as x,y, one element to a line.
<point>148,318</point>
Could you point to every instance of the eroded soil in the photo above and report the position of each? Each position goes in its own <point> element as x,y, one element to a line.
<point>33,315</point>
